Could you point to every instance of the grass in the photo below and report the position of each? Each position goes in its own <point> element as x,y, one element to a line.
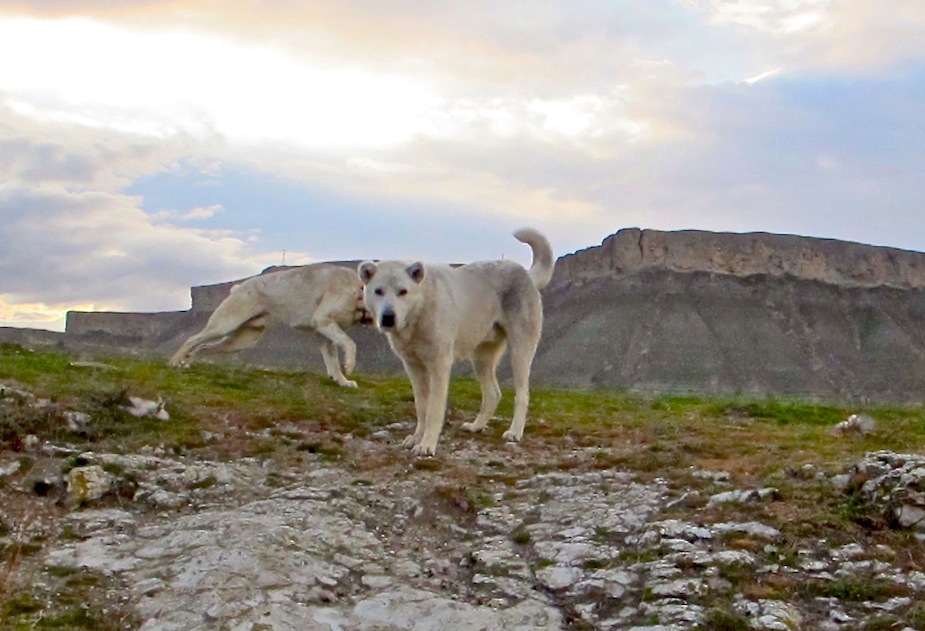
<point>723,619</point>
<point>292,418</point>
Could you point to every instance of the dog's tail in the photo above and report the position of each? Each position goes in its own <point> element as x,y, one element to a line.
<point>543,259</point>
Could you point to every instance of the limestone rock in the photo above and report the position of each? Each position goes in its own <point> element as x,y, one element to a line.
<point>895,483</point>
<point>87,484</point>
<point>862,424</point>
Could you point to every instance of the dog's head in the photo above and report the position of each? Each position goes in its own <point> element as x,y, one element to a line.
<point>392,293</point>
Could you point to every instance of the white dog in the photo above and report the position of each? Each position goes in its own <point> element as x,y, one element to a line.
<point>321,298</point>
<point>434,315</point>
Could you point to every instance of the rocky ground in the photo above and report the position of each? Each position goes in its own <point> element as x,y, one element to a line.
<point>486,536</point>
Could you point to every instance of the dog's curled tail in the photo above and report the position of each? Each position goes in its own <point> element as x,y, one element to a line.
<point>543,259</point>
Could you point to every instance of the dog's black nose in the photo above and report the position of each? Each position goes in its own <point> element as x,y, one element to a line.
<point>387,320</point>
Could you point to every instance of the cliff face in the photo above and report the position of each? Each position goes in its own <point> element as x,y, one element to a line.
<point>657,330</point>
<point>757,253</point>
<point>752,313</point>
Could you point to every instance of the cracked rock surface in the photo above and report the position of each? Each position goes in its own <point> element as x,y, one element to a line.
<point>356,534</point>
<point>213,545</point>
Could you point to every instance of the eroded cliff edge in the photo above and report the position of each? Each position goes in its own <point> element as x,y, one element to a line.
<point>748,254</point>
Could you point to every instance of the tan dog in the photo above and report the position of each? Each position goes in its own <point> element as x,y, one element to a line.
<point>321,298</point>
<point>434,315</point>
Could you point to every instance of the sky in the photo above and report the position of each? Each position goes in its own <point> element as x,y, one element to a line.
<point>150,146</point>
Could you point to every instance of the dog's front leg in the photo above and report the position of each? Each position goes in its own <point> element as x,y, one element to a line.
<point>438,383</point>
<point>417,373</point>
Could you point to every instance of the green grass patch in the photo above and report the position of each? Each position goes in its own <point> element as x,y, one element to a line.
<point>853,589</point>
<point>723,619</point>
<point>780,412</point>
<point>521,536</point>
<point>19,606</point>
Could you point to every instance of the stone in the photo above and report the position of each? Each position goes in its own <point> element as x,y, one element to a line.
<point>744,496</point>
<point>87,484</point>
<point>911,516</point>
<point>324,554</point>
<point>139,407</point>
<point>895,484</point>
<point>376,582</point>
<point>857,423</point>
<point>9,468</point>
<point>76,421</point>
<point>558,577</point>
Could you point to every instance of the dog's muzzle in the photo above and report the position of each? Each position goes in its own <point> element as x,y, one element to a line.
<point>387,320</point>
<point>362,316</point>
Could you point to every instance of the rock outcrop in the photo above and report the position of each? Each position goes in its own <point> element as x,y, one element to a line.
<point>754,314</point>
<point>657,330</point>
<point>538,536</point>
<point>202,545</point>
<point>751,254</point>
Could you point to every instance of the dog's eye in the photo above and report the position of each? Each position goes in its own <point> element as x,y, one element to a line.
<point>378,291</point>
<point>402,292</point>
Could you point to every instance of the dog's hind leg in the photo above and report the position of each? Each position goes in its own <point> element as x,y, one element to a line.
<point>332,365</point>
<point>485,363</point>
<point>337,339</point>
<point>215,339</point>
<point>237,323</point>
<point>244,337</point>
<point>186,353</point>
<point>522,352</point>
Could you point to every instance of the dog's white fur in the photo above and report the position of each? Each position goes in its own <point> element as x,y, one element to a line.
<point>434,315</point>
<point>321,298</point>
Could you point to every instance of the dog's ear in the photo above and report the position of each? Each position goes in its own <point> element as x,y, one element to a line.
<point>366,270</point>
<point>416,271</point>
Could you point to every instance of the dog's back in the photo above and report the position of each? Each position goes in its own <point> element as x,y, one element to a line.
<point>290,295</point>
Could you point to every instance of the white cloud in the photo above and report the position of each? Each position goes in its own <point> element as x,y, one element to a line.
<point>60,248</point>
<point>781,17</point>
<point>847,36</point>
<point>165,83</point>
<point>193,214</point>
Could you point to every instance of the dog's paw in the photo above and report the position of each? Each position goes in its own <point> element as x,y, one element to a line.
<point>472,427</point>
<point>423,450</point>
<point>349,366</point>
<point>409,442</point>
<point>347,383</point>
<point>511,437</point>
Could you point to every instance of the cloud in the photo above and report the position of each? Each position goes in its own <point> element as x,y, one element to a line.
<point>848,36</point>
<point>59,246</point>
<point>69,237</point>
<point>216,140</point>
<point>193,214</point>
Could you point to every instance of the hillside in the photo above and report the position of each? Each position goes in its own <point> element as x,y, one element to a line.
<point>756,314</point>
<point>649,311</point>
